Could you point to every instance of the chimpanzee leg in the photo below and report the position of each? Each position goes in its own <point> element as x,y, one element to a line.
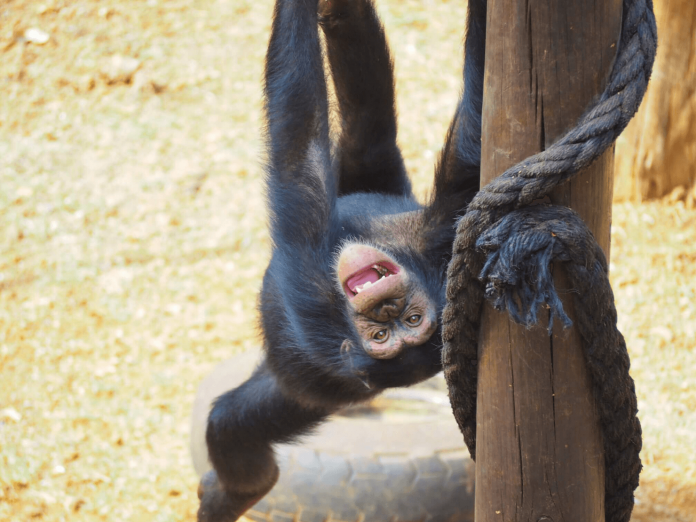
<point>370,160</point>
<point>242,426</point>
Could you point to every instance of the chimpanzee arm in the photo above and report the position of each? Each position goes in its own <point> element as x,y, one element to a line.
<point>301,188</point>
<point>361,67</point>
<point>242,426</point>
<point>460,162</point>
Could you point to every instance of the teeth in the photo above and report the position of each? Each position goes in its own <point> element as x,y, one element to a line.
<point>368,284</point>
<point>380,270</point>
<point>359,289</point>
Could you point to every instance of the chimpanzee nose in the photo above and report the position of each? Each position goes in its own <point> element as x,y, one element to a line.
<point>388,309</point>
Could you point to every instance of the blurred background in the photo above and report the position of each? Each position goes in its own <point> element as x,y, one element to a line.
<point>133,237</point>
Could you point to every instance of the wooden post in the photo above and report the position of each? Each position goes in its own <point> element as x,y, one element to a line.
<point>539,448</point>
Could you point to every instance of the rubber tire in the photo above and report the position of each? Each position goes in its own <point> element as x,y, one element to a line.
<point>363,465</point>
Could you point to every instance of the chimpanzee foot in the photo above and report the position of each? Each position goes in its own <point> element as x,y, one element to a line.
<point>218,505</point>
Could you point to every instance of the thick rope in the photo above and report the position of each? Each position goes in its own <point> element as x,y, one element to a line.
<point>522,242</point>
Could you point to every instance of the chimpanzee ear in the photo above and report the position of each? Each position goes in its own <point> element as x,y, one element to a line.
<point>348,350</point>
<point>346,346</point>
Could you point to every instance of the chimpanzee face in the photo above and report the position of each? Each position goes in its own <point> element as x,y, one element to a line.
<point>390,310</point>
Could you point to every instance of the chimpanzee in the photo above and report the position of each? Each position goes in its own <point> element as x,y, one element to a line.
<point>351,299</point>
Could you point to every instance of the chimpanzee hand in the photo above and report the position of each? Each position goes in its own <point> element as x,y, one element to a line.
<point>218,505</point>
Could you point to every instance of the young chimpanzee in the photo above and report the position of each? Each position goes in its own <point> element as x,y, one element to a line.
<point>351,299</point>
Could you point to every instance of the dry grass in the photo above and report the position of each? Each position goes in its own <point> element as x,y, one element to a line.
<point>133,240</point>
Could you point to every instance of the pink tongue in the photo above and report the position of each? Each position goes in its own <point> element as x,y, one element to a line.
<point>361,278</point>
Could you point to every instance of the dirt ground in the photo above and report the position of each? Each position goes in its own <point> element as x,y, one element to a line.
<point>133,239</point>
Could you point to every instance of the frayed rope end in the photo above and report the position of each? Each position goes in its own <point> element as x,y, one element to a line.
<point>518,272</point>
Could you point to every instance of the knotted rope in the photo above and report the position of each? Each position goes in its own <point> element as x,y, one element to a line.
<point>504,247</point>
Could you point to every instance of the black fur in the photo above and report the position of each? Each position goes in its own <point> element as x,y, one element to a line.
<point>320,203</point>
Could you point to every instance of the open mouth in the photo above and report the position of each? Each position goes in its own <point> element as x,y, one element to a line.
<point>368,277</point>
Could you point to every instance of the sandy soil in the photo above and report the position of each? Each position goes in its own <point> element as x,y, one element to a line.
<point>133,239</point>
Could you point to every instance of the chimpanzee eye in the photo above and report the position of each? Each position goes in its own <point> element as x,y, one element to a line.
<point>381,336</point>
<point>414,320</point>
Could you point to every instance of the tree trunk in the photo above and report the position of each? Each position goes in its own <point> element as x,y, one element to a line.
<point>539,447</point>
<point>657,152</point>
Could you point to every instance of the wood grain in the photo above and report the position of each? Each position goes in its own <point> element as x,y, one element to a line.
<point>539,447</point>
